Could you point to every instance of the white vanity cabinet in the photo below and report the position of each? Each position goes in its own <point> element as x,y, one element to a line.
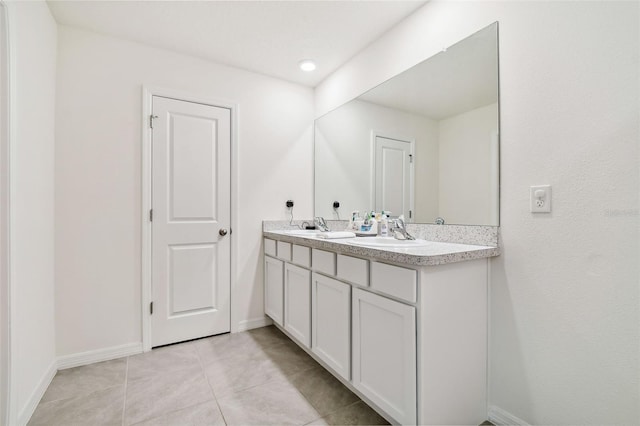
<point>384,353</point>
<point>331,323</point>
<point>410,340</point>
<point>274,289</point>
<point>297,303</point>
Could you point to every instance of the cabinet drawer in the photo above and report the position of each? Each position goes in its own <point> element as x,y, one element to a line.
<point>301,256</point>
<point>395,281</point>
<point>269,247</point>
<point>323,261</point>
<point>284,250</point>
<point>353,269</point>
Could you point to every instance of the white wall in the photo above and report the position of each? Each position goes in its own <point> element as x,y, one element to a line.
<point>564,293</point>
<point>466,163</point>
<point>32,202</point>
<point>343,157</point>
<point>98,176</point>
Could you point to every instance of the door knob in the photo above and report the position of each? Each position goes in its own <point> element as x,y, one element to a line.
<point>222,232</point>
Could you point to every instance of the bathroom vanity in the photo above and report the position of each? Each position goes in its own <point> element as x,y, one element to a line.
<point>404,328</point>
<point>402,325</point>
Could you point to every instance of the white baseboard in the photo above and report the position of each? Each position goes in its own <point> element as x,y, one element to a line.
<point>106,354</point>
<point>37,394</point>
<point>254,323</point>
<point>499,417</point>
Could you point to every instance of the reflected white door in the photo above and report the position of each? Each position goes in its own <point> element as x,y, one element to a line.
<point>394,177</point>
<point>191,212</point>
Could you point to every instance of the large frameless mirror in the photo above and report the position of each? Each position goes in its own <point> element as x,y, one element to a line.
<point>424,144</point>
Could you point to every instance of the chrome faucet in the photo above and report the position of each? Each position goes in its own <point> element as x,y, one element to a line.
<point>398,229</point>
<point>321,224</point>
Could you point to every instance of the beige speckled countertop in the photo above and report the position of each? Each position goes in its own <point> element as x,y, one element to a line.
<point>434,253</point>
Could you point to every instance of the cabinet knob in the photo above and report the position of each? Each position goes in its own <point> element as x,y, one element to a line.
<point>222,232</point>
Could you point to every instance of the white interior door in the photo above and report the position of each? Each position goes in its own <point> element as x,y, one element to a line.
<point>394,177</point>
<point>191,200</point>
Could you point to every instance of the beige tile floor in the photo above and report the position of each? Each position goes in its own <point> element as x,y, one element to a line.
<point>258,377</point>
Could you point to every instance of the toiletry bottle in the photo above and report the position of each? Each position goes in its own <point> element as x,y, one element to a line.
<point>384,226</point>
<point>374,226</point>
<point>355,215</point>
<point>366,226</point>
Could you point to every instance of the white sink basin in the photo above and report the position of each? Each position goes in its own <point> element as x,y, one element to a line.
<point>309,232</point>
<point>389,242</point>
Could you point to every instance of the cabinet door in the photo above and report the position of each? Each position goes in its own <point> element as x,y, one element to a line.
<point>384,354</point>
<point>274,288</point>
<point>297,303</point>
<point>331,322</point>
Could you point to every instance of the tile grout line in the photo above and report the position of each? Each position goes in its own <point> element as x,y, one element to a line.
<point>359,400</point>
<point>284,377</point>
<point>124,399</point>
<point>305,397</point>
<point>338,410</point>
<point>160,415</point>
<point>287,377</point>
<point>224,357</point>
<point>272,380</point>
<point>213,394</point>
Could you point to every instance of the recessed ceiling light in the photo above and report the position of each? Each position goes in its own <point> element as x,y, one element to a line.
<point>307,65</point>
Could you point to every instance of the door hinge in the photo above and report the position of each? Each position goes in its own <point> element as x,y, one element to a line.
<point>151,308</point>
<point>410,158</point>
<point>151,215</point>
<point>151,117</point>
<point>410,214</point>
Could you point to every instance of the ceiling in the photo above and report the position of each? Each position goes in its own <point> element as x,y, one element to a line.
<point>268,37</point>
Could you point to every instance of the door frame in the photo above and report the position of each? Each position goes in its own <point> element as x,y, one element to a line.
<point>412,167</point>
<point>8,391</point>
<point>146,261</point>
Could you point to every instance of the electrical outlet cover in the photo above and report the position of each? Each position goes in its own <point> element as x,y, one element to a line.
<point>540,199</point>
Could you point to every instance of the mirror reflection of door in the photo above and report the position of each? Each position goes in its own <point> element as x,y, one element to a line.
<point>393,177</point>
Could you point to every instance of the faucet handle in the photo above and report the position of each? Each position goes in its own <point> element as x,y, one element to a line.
<point>321,223</point>
<point>398,227</point>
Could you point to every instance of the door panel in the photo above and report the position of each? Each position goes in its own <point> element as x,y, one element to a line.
<point>192,270</point>
<point>393,178</point>
<point>193,163</point>
<point>191,200</point>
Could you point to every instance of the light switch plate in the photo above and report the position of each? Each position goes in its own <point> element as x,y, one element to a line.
<point>540,199</point>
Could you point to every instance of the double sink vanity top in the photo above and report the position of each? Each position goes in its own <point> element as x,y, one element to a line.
<point>413,252</point>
